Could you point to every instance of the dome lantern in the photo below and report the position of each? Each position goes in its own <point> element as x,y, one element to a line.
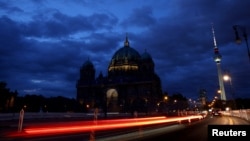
<point>126,43</point>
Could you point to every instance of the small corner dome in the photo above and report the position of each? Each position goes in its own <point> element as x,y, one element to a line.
<point>146,56</point>
<point>87,64</point>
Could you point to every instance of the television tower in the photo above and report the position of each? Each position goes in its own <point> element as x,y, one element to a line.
<point>217,59</point>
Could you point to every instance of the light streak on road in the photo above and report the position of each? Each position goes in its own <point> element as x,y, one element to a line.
<point>97,125</point>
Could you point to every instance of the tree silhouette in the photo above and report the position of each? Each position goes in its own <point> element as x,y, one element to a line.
<point>7,98</point>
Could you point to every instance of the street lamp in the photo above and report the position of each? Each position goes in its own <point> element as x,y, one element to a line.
<point>162,104</point>
<point>228,78</point>
<point>238,40</point>
<point>165,98</point>
<point>219,91</point>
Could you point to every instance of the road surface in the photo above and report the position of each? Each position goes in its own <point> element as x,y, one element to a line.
<point>196,130</point>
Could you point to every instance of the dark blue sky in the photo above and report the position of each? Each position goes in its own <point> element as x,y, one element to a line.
<point>43,43</point>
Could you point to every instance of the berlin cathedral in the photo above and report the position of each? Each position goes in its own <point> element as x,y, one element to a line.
<point>130,85</point>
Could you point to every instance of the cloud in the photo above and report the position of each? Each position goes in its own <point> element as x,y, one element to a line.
<point>141,18</point>
<point>43,44</point>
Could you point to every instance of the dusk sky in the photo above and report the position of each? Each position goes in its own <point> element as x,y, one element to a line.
<point>43,43</point>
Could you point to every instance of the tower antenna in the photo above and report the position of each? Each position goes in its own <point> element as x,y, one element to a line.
<point>215,44</point>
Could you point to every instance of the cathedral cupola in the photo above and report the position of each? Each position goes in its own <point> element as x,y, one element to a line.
<point>125,59</point>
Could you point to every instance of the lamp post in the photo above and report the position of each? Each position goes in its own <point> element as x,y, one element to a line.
<point>237,37</point>
<point>162,104</point>
<point>228,78</point>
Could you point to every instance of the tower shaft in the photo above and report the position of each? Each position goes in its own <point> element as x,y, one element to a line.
<point>222,89</point>
<point>217,59</point>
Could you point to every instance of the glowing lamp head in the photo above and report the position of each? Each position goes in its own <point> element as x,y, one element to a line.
<point>226,77</point>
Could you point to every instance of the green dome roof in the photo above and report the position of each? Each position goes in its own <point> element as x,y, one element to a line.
<point>125,56</point>
<point>126,53</point>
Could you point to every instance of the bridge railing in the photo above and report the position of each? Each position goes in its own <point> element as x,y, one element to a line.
<point>241,113</point>
<point>53,115</point>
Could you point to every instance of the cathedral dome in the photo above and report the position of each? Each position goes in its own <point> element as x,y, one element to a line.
<point>126,58</point>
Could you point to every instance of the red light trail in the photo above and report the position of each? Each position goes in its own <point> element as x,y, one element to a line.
<point>96,125</point>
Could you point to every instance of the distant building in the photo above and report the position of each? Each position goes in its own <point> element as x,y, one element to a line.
<point>203,97</point>
<point>130,85</point>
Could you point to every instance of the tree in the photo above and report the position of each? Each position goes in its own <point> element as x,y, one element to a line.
<point>178,102</point>
<point>7,98</point>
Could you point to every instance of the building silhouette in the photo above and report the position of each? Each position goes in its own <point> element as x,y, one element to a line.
<point>130,85</point>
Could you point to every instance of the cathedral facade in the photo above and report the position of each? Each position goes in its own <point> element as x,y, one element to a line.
<point>130,85</point>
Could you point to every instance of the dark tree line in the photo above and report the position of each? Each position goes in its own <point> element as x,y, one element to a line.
<point>38,103</point>
<point>11,102</point>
